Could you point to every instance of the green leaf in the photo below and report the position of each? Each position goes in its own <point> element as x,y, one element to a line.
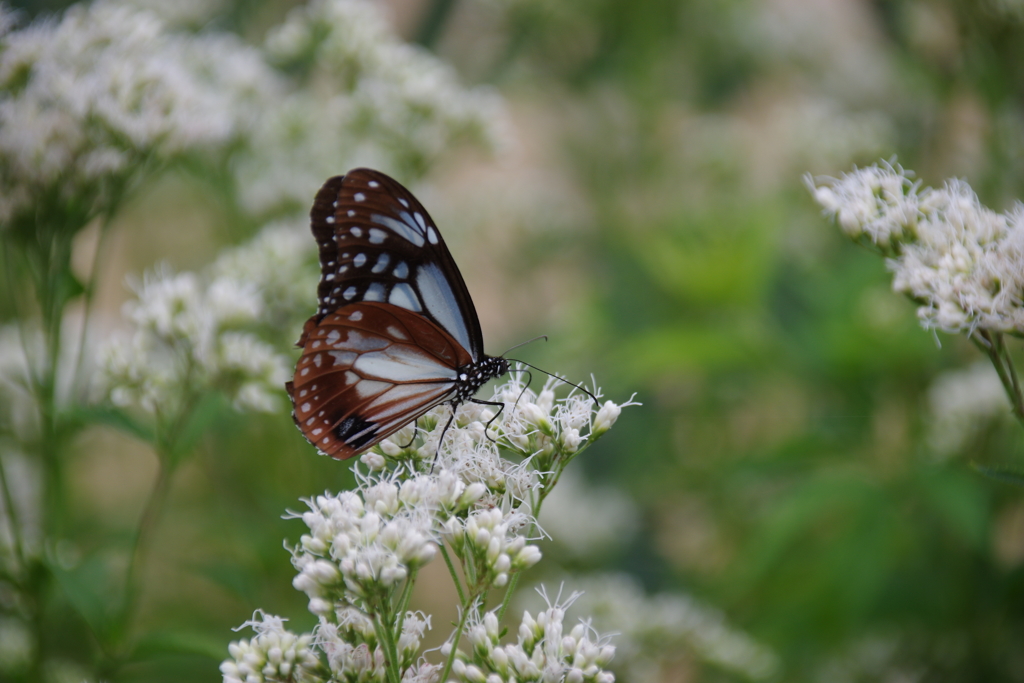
<point>90,588</point>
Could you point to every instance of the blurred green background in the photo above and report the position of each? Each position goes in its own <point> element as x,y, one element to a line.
<point>648,213</point>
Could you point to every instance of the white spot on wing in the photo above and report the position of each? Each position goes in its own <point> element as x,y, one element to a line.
<point>396,333</point>
<point>345,358</point>
<point>350,293</point>
<point>333,337</point>
<point>373,183</point>
<point>359,260</point>
<point>401,271</point>
<point>382,263</point>
<point>431,234</point>
<point>403,202</point>
<point>359,196</point>
<point>419,219</point>
<point>377,236</point>
<point>356,316</point>
<point>402,295</point>
<point>375,292</point>
<point>357,232</point>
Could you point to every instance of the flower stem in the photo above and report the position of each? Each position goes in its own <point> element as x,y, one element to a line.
<point>992,345</point>
<point>455,642</point>
<point>382,626</point>
<point>455,575</point>
<point>142,543</point>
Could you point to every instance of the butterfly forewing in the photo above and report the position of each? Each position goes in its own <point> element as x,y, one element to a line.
<point>388,249</point>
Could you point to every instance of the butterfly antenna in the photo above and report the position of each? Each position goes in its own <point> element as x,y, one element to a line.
<point>528,341</point>
<point>560,379</point>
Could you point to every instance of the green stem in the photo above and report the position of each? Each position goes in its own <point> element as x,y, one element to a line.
<point>403,602</point>
<point>382,626</point>
<point>14,522</point>
<point>90,297</point>
<point>455,642</point>
<point>142,544</point>
<point>513,582</point>
<point>455,575</point>
<point>992,346</point>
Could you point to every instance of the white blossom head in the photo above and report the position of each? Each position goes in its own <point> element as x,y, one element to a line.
<point>274,654</point>
<point>90,102</point>
<point>192,334</point>
<point>962,263</point>
<point>879,202</point>
<point>544,651</point>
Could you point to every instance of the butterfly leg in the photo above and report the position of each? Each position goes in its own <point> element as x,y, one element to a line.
<point>501,407</point>
<point>443,432</point>
<point>415,431</point>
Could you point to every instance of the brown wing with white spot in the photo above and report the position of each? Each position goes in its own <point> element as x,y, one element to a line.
<point>366,371</point>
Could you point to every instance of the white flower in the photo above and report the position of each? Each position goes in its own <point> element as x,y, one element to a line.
<point>277,265</point>
<point>88,102</point>
<point>488,537</point>
<point>880,202</point>
<point>543,651</point>
<point>379,102</point>
<point>363,542</point>
<point>963,263</point>
<point>186,341</point>
<point>274,654</point>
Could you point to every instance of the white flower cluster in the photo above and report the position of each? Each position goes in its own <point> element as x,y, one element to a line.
<point>963,263</point>
<point>545,428</point>
<point>359,560</point>
<point>354,654</point>
<point>274,655</point>
<point>87,102</point>
<point>543,651</point>
<point>363,543</point>
<point>190,336</point>
<point>486,540</point>
<point>654,628</point>
<point>376,101</point>
<point>879,202</point>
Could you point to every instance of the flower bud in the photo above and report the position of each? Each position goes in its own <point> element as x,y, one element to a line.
<point>606,417</point>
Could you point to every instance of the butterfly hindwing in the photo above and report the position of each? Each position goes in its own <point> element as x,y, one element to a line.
<point>387,249</point>
<point>368,370</point>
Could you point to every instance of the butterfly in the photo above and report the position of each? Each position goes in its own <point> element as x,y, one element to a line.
<point>395,333</point>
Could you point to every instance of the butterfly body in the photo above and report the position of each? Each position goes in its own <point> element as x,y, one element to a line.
<point>395,333</point>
